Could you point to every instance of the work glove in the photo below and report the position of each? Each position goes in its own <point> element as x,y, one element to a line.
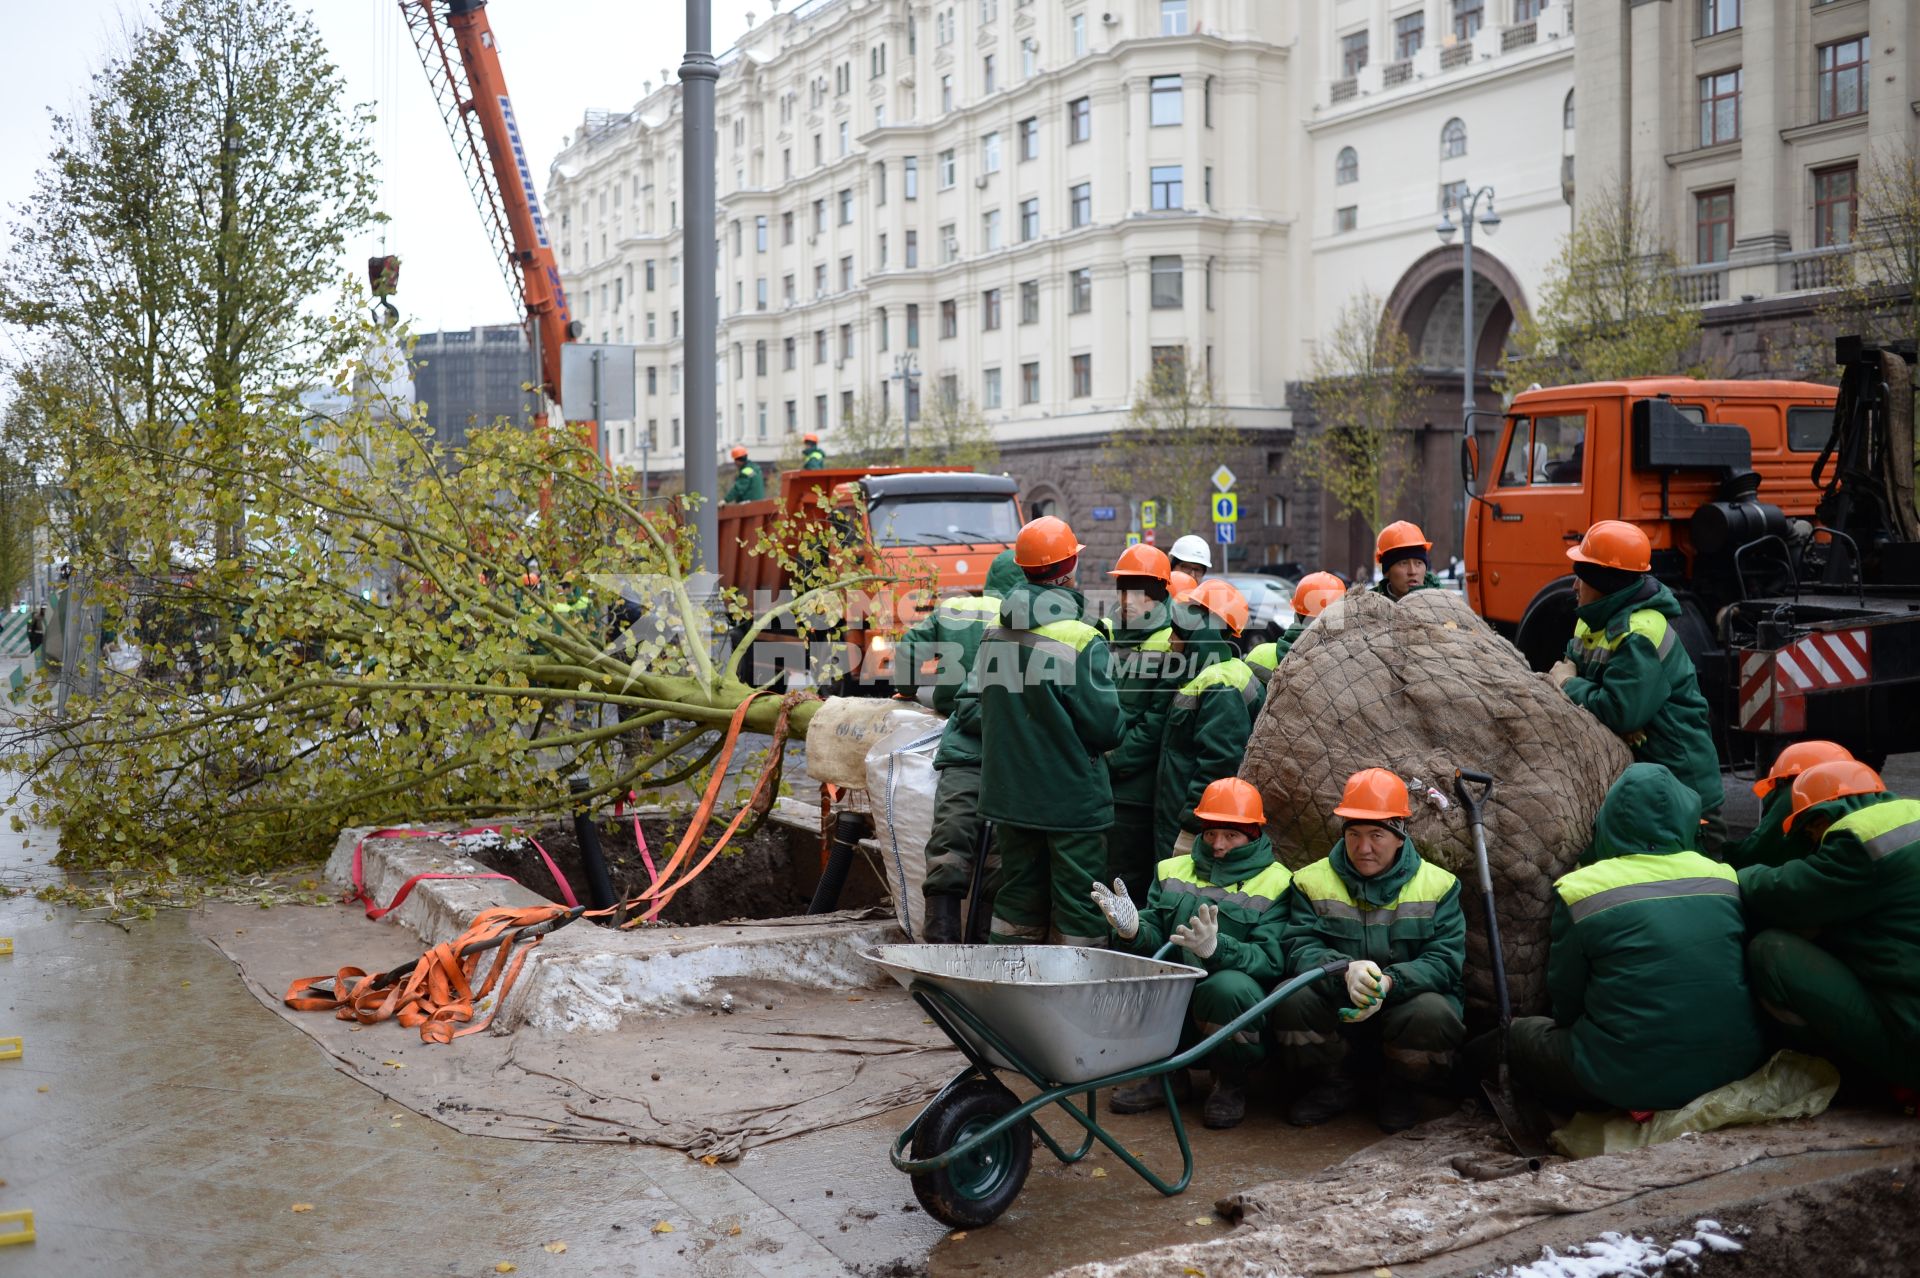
<point>1363,982</point>
<point>1199,935</point>
<point>1562,671</point>
<point>1119,909</point>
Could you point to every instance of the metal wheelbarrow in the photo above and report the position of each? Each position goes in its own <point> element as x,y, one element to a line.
<point>1069,1020</point>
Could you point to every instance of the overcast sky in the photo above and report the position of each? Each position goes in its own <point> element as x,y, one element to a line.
<point>596,55</point>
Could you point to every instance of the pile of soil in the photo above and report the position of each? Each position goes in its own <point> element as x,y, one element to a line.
<point>753,878</point>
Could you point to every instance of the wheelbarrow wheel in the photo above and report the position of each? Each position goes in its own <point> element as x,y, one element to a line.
<point>975,1188</point>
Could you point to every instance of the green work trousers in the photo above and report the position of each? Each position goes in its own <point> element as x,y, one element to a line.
<point>1216,1001</point>
<point>1540,1056</point>
<point>1414,1038</point>
<point>1823,1007</point>
<point>1131,856</point>
<point>1712,839</point>
<point>956,831</point>
<point>1041,886</point>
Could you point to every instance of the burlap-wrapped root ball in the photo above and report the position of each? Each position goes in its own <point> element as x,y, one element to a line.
<point>1423,687</point>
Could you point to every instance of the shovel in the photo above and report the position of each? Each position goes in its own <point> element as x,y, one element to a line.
<point>1521,1134</point>
<point>975,932</point>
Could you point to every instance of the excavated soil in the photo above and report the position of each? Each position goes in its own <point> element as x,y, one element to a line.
<point>1868,1224</point>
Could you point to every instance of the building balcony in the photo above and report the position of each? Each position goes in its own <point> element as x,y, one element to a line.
<point>1516,37</point>
<point>1816,269</point>
<point>1702,285</point>
<point>1345,90</point>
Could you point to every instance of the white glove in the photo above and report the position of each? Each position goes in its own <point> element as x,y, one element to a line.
<point>1366,1004</point>
<point>1562,671</point>
<point>1363,982</point>
<point>1119,909</point>
<point>1199,935</point>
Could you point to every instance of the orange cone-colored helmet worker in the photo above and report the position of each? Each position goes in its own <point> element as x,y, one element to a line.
<point>1400,535</point>
<point>809,438</point>
<point>1043,542</point>
<point>1143,561</point>
<point>1315,591</point>
<point>1181,585</point>
<point>739,452</point>
<point>1219,597</point>
<point>1374,794</point>
<point>1231,801</point>
<point>1825,782</point>
<point>1614,543</point>
<point>1797,758</point>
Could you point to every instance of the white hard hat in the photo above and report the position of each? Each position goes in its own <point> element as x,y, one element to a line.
<point>1192,550</point>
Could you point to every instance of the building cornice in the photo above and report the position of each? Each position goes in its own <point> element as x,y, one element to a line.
<point>1447,82</point>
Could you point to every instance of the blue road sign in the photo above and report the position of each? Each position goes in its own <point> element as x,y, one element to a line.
<point>1223,533</point>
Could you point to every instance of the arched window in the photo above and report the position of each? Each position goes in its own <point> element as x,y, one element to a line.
<point>1566,112</point>
<point>1453,139</point>
<point>1346,167</point>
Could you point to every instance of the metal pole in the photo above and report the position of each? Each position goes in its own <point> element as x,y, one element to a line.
<point>1466,364</point>
<point>699,74</point>
<point>599,423</point>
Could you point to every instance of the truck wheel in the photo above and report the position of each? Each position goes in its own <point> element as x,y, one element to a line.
<point>1547,625</point>
<point>975,1188</point>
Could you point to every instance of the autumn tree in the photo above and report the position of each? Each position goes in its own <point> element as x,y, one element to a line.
<point>1876,291</point>
<point>949,431</point>
<point>1176,435</point>
<point>1365,392</point>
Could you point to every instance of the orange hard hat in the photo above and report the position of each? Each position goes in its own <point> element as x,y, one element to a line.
<point>1218,597</point>
<point>739,452</point>
<point>1797,758</point>
<point>1399,535</point>
<point>1374,794</point>
<point>1143,561</point>
<point>1315,591</point>
<point>1043,541</point>
<point>809,438</point>
<point>1180,585</point>
<point>1614,543</point>
<point>1825,782</point>
<point>1231,801</point>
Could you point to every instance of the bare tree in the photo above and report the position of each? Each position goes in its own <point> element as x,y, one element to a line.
<point>1365,391</point>
<point>1176,435</point>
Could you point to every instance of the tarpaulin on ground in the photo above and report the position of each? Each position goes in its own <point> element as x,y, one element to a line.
<point>1789,1085</point>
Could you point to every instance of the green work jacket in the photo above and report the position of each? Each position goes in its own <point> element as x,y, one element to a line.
<point>1208,722</point>
<point>949,636</point>
<point>1247,885</point>
<point>1146,674</point>
<point>1048,713</point>
<point>748,484</point>
<point>1632,673</point>
<point>1860,888</point>
<point>1407,919</point>
<point>813,459</point>
<point>1770,844</point>
<point>1647,965</point>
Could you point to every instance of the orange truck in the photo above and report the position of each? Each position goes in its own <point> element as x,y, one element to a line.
<point>945,520</point>
<point>1781,515</point>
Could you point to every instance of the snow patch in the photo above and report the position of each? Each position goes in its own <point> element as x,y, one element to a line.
<point>1614,1255</point>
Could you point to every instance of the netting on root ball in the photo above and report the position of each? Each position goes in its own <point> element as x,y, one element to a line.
<point>1424,687</point>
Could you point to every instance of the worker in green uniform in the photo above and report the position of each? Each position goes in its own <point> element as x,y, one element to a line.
<point>1310,598</point>
<point>1372,899</point>
<point>1222,904</point>
<point>1147,678</point>
<point>1769,843</point>
<point>1838,966</point>
<point>949,637</point>
<point>1402,552</point>
<point>1626,666</point>
<point>1211,715</point>
<point>1048,713</point>
<point>748,483</point>
<point>1646,970</point>
<point>811,456</point>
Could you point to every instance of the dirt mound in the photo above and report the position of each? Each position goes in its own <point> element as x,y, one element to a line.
<point>1423,687</point>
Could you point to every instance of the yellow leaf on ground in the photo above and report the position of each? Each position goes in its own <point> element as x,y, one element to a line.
<point>957,1235</point>
<point>1203,1220</point>
<point>185,984</point>
<point>711,1160</point>
<point>505,1267</point>
<point>394,1064</point>
<point>556,1246</point>
<point>663,1228</point>
<point>1383,1272</point>
<point>1099,1173</point>
<point>1191,1272</point>
<point>734,1232</point>
<point>302,1207</point>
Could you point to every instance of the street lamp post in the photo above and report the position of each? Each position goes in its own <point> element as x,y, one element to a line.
<point>699,73</point>
<point>1470,211</point>
<point>906,371</point>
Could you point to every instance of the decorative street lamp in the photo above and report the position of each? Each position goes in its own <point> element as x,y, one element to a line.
<point>1489,222</point>
<point>906,371</point>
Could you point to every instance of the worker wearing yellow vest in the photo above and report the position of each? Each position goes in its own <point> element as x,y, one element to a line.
<point>1770,843</point>
<point>1398,917</point>
<point>1211,715</point>
<point>1222,904</point>
<point>1048,713</point>
<point>1401,550</point>
<point>1144,673</point>
<point>811,455</point>
<point>1310,598</point>
<point>1838,966</point>
<point>748,483</point>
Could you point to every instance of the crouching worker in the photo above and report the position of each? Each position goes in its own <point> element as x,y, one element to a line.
<point>1222,904</point>
<point>1645,971</point>
<point>1375,901</point>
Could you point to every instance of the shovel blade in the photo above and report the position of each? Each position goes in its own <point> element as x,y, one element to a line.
<point>1522,1135</point>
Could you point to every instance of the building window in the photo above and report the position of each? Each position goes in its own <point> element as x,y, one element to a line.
<point>649,275</point>
<point>819,217</point>
<point>789,354</point>
<point>882,252</point>
<point>946,95</point>
<point>1082,366</point>
<point>1080,291</point>
<point>819,345</point>
<point>1720,107</point>
<point>990,388</point>
<point>1527,10</point>
<point>880,328</point>
<point>990,310</point>
<point>1173,17</point>
<point>846,272</point>
<point>1468,15</point>
<point>1346,167</point>
<point>988,66</point>
<point>913,248</point>
<point>1167,189</point>
<point>943,26</point>
<point>1030,301</point>
<point>1206,184</point>
<point>1566,112</point>
<point>786,286</point>
<point>786,228</point>
<point>1843,78</point>
<point>1452,195</point>
<point>949,390</point>
<point>990,230</point>
<point>1030,383</point>
<point>1163,101</point>
<point>1353,53</point>
<point>1080,202</point>
<point>792,416</point>
<point>846,342</point>
<point>760,293</point>
<point>1078,25</point>
<point>1029,58</point>
<point>653,326</point>
<point>990,153</point>
<point>1346,219</point>
<point>989,11</point>
<point>910,175</point>
<point>760,234</point>
<point>846,139</point>
<point>1713,225</point>
<point>1409,33</point>
<point>1029,130</point>
<point>1718,15</point>
<point>1169,364</point>
<point>846,207</point>
<point>949,318</point>
<point>949,244</point>
<point>876,61</point>
<point>674,425</point>
<point>820,412</point>
<point>949,170</point>
<point>913,325</point>
<point>1453,139</point>
<point>1079,120</point>
<point>1029,219</point>
<point>1168,290</point>
<point>760,421</point>
<point>1835,196</point>
<point>820,280</point>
